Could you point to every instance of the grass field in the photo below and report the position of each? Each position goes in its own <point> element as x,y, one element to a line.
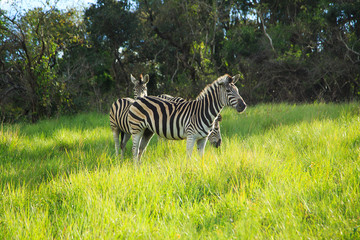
<point>283,172</point>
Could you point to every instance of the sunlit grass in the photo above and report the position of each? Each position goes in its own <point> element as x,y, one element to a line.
<point>283,171</point>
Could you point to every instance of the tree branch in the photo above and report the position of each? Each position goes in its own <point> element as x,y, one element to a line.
<point>264,30</point>
<point>348,48</point>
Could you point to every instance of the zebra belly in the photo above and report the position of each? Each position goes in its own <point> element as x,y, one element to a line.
<point>169,137</point>
<point>169,134</point>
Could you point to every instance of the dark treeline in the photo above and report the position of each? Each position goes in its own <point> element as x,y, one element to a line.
<point>63,61</point>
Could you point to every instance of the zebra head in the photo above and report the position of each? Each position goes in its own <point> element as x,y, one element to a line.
<point>229,93</point>
<point>215,135</point>
<point>140,89</point>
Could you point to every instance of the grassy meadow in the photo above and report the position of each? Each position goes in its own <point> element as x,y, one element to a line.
<point>283,172</point>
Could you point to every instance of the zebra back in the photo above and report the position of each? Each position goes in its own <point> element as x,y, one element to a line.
<point>171,98</point>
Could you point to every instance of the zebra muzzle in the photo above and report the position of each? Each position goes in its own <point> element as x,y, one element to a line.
<point>218,143</point>
<point>241,106</point>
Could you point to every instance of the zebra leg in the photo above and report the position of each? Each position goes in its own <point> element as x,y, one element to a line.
<point>190,142</point>
<point>135,147</point>
<point>124,139</point>
<point>116,133</point>
<point>145,141</point>
<point>201,143</point>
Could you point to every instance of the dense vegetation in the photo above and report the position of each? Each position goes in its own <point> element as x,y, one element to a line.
<point>57,61</point>
<point>283,172</point>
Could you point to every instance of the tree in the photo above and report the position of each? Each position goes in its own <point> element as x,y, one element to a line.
<point>286,51</point>
<point>113,29</point>
<point>31,47</point>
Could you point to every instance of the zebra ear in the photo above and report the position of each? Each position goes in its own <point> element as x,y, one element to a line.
<point>236,78</point>
<point>133,80</point>
<point>145,80</point>
<point>226,79</point>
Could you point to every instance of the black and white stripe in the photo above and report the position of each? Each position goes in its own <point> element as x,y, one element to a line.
<point>214,137</point>
<point>191,120</point>
<point>172,98</point>
<point>119,113</point>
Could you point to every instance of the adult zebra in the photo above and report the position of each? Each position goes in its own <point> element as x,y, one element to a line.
<point>119,113</point>
<point>190,120</point>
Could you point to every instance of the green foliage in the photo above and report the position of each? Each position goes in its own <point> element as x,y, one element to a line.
<point>111,23</point>
<point>283,171</point>
<point>241,42</point>
<point>38,37</point>
<point>53,61</point>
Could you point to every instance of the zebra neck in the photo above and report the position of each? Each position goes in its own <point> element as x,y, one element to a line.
<point>210,105</point>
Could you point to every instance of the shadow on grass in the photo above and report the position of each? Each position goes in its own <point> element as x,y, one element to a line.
<point>33,153</point>
<point>32,166</point>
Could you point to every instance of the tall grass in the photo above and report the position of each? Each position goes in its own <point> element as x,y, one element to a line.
<point>283,171</point>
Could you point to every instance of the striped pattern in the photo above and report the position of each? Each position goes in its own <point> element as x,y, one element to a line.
<point>119,113</point>
<point>215,134</point>
<point>171,98</point>
<point>140,88</point>
<point>191,120</point>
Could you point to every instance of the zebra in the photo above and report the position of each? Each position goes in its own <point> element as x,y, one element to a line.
<point>119,113</point>
<point>190,120</point>
<point>215,135</point>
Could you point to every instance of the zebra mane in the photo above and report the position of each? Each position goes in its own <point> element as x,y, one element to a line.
<point>204,92</point>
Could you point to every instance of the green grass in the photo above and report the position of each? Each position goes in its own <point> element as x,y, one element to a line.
<point>283,172</point>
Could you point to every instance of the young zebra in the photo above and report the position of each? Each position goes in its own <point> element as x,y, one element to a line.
<point>192,120</point>
<point>215,135</point>
<point>119,113</point>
